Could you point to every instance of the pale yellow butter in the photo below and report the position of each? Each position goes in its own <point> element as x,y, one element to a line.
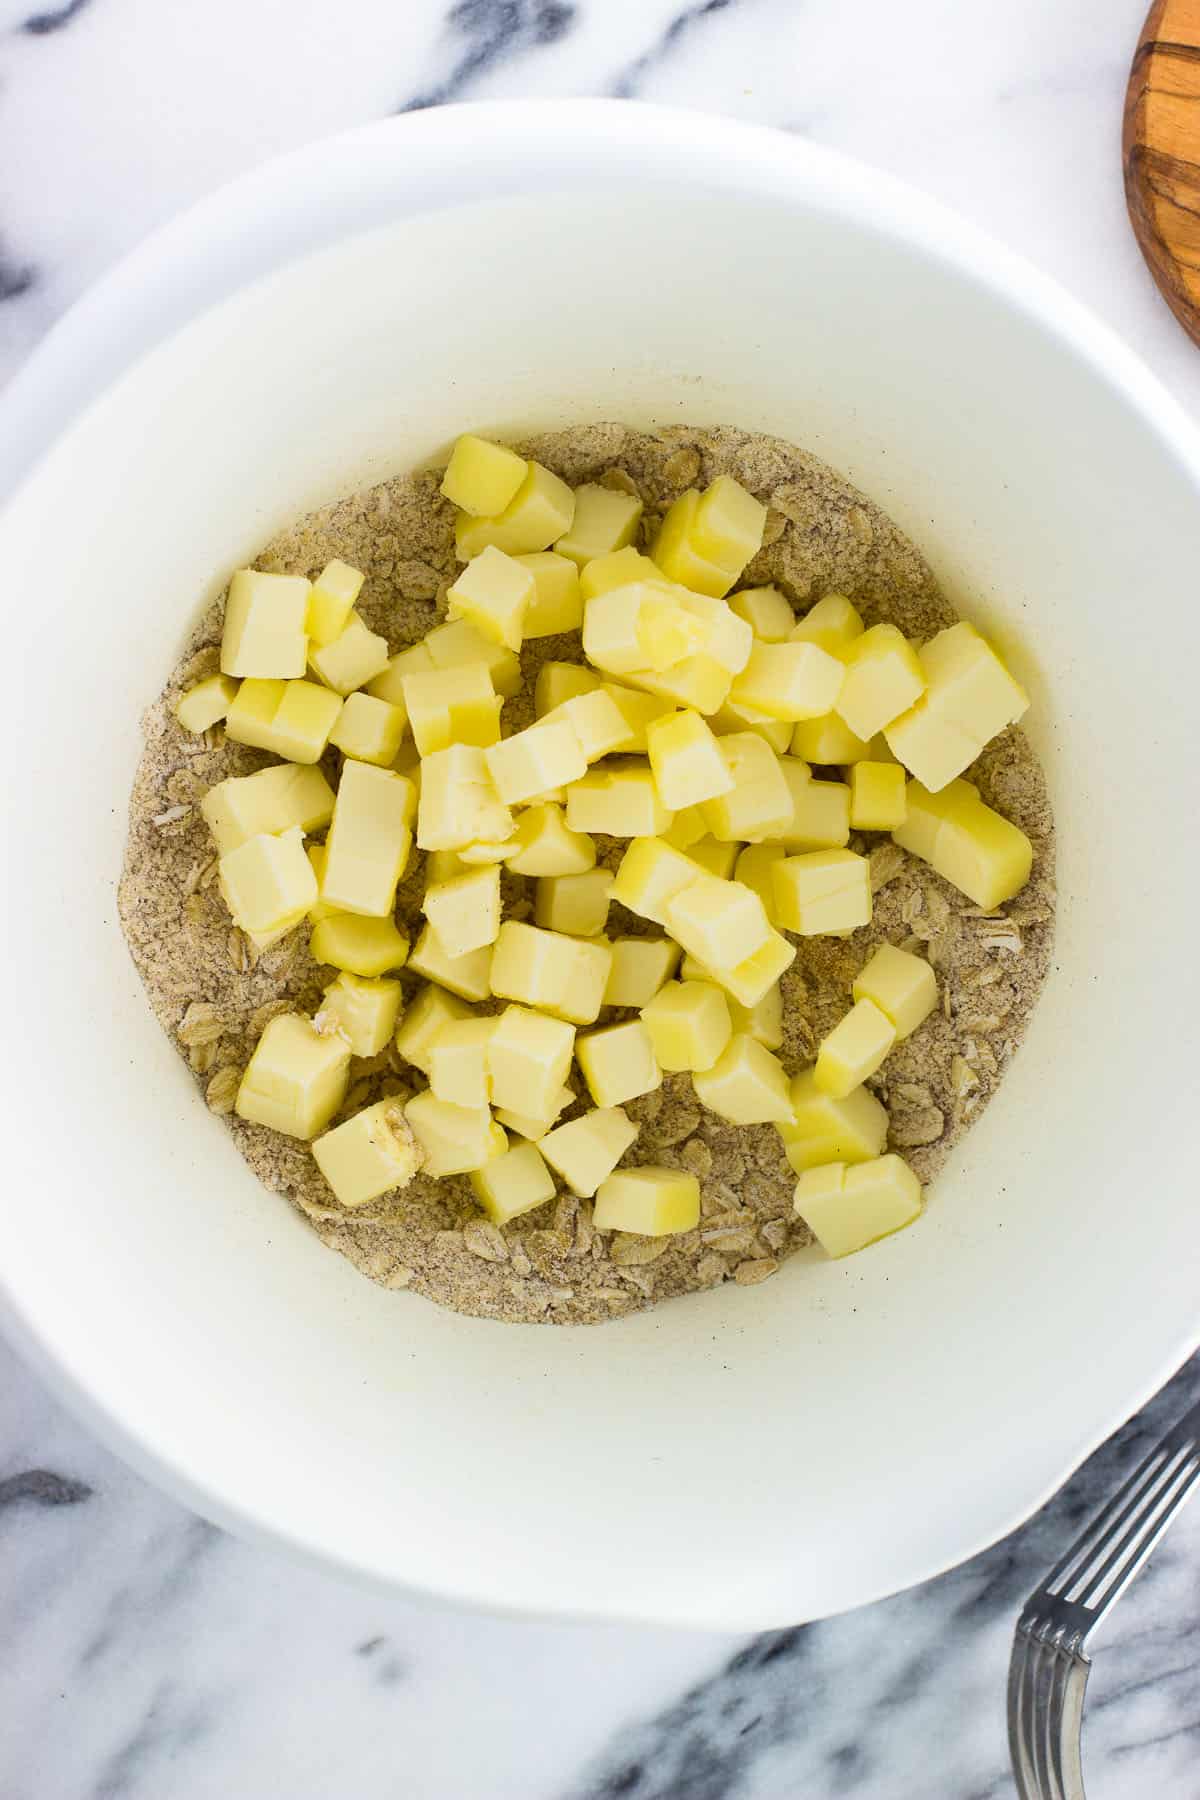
<point>359,945</point>
<point>296,1079</point>
<point>562,975</point>
<point>452,706</point>
<point>827,741</point>
<point>575,904</point>
<point>389,683</point>
<point>720,922</point>
<point>454,1139</point>
<point>640,965</point>
<point>368,1155</point>
<point>822,891</point>
<point>789,681</point>
<point>767,612</point>
<point>369,841</point>
<point>365,1011</point>
<point>205,704</point>
<point>456,644</point>
<point>542,844</point>
<point>557,603</point>
<point>331,601</point>
<point>369,730</point>
<point>540,511</point>
<point>651,1202</point>
<point>759,805</point>
<point>618,1063</point>
<point>529,1056</point>
<point>557,682</point>
<point>597,721</point>
<point>482,477</point>
<point>970,845</point>
<point>605,520</point>
<point>353,658</point>
<point>754,868</point>
<point>686,760</point>
<point>264,633</point>
<point>513,1183</point>
<point>902,986</point>
<point>650,873</point>
<point>422,1022</point>
<point>854,1049</point>
<point>587,1150</point>
<point>847,1208</point>
<point>268,884</point>
<point>883,678</point>
<point>458,1062</point>
<point>616,569</point>
<point>675,553</point>
<point>292,719</point>
<point>746,1084</point>
<point>465,911</point>
<point>823,1129</point>
<point>493,594</point>
<point>467,975</point>
<point>689,1025</point>
<point>547,754</point>
<point>459,804</point>
<point>834,623</point>
<point>619,799</point>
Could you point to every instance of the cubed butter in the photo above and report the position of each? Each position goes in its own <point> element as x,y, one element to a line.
<point>822,891</point>
<point>365,1011</point>
<point>576,904</point>
<point>638,710</point>
<point>650,874</point>
<point>755,867</point>
<point>296,1079</point>
<point>828,741</point>
<point>767,612</point>
<point>529,1056</point>
<point>877,796</point>
<point>587,1150</point>
<point>715,856</point>
<point>619,799</point>
<point>854,1049</point>
<point>789,681</point>
<point>719,922</point>
<point>834,623</point>
<point>562,975</point>
<point>316,858</point>
<point>970,696</point>
<point>389,683</point>
<point>331,601</point>
<point>727,639</point>
<point>481,477</point>
<point>689,1025</point>
<point>606,519</point>
<point>759,804</point>
<point>618,1063</point>
<point>205,704</point>
<point>763,1020</point>
<point>688,827</point>
<point>698,681</point>
<point>650,1202</point>
<point>775,732</point>
<point>686,760</point>
<point>430,1012</point>
<point>455,1139</point>
<point>727,528</point>
<point>746,1084</point>
<point>545,755</point>
<point>640,965</point>
<point>559,681</point>
<point>847,1208</point>
<point>368,1155</point>
<point>622,626</point>
<point>616,569</point>
<point>542,844</point>
<point>368,730</point>
<point>493,594</point>
<point>456,644</point>
<point>513,1183</point>
<point>755,975</point>
<point>264,633</point>
<point>292,719</point>
<point>823,1129</point>
<point>528,1125</point>
<point>458,1062</point>
<point>597,722</point>
<point>465,911</point>
<point>459,805</point>
<point>820,810</point>
<point>359,945</point>
<point>557,603</point>
<point>353,658</point>
<point>268,883</point>
<point>369,840</point>
<point>452,706</point>
<point>883,678</point>
<point>540,511</point>
<point>970,845</point>
<point>676,554</point>
<point>901,985</point>
<point>468,976</point>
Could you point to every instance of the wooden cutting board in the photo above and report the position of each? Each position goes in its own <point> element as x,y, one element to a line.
<point>1161,148</point>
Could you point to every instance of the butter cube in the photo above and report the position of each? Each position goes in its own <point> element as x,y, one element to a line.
<point>822,891</point>
<point>268,883</point>
<point>605,520</point>
<point>459,804</point>
<point>616,569</point>
<point>677,555</point>
<point>686,760</point>
<point>557,603</point>
<point>465,911</point>
<point>755,975</point>
<point>820,811</point>
<point>368,1155</point>
<point>596,720</point>
<point>353,658</point>
<point>973,847</point>
<point>720,922</point>
<point>755,867</point>
<point>639,967</point>
<point>767,612</point>
<point>759,805</point>
<point>650,874</point>
<point>456,644</point>
<point>688,827</point>
<point>545,755</point>
<point>296,1079</point>
<point>775,732</point>
<point>667,631</point>
<point>828,740</point>
<point>848,1208</point>
<point>331,601</point>
<point>746,1084</point>
<point>542,844</point>
<point>854,1049</point>
<point>452,706</point>
<point>458,1062</point>
<point>575,904</point>
<point>727,639</point>
<point>619,799</point>
<point>293,719</point>
<point>618,1063</point>
<point>358,945</point>
<point>824,1129</point>
<point>587,1150</point>
<point>423,1022</point>
<point>727,528</point>
<point>639,711</point>
<point>443,865</point>
<point>264,633</point>
<point>650,1202</point>
<point>928,743</point>
<point>763,1020</point>
<point>562,975</point>
<point>529,1126</point>
<point>389,683</point>
<point>316,859</point>
<point>698,681</point>
<point>902,986</point>
<point>364,1011</point>
<point>883,678</point>
<point>513,1183</point>
<point>205,704</point>
<point>455,1139</point>
<point>482,477</point>
<point>688,1024</point>
<point>540,511</point>
<point>482,854</point>
<point>878,801</point>
<point>369,840</point>
<point>717,857</point>
<point>624,627</point>
<point>789,681</point>
<point>368,730</point>
<point>493,594</point>
<point>560,681</point>
<point>529,1056</point>
<point>467,975</point>
<point>970,697</point>
<point>833,623</point>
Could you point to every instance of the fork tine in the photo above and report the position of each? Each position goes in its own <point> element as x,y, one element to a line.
<point>1053,1723</point>
<point>1018,1733</point>
<point>1043,1675</point>
<point>1134,1544</point>
<point>1071,1565</point>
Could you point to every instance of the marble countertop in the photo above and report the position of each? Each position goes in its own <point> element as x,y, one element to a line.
<point>147,1656</point>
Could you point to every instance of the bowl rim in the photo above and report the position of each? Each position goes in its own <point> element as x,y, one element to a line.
<point>207,255</point>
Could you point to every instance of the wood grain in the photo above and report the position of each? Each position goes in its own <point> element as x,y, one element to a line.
<point>1161,153</point>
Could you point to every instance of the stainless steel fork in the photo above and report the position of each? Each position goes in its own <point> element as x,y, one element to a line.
<point>1049,1670</point>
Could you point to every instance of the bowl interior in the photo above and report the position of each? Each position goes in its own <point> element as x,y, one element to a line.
<point>746,1457</point>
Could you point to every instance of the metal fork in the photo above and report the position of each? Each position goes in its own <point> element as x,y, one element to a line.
<point>1048,1674</point>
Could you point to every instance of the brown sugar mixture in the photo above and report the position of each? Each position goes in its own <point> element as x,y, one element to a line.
<point>213,993</point>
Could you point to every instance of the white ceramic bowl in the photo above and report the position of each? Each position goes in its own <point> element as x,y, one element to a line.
<point>743,1458</point>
